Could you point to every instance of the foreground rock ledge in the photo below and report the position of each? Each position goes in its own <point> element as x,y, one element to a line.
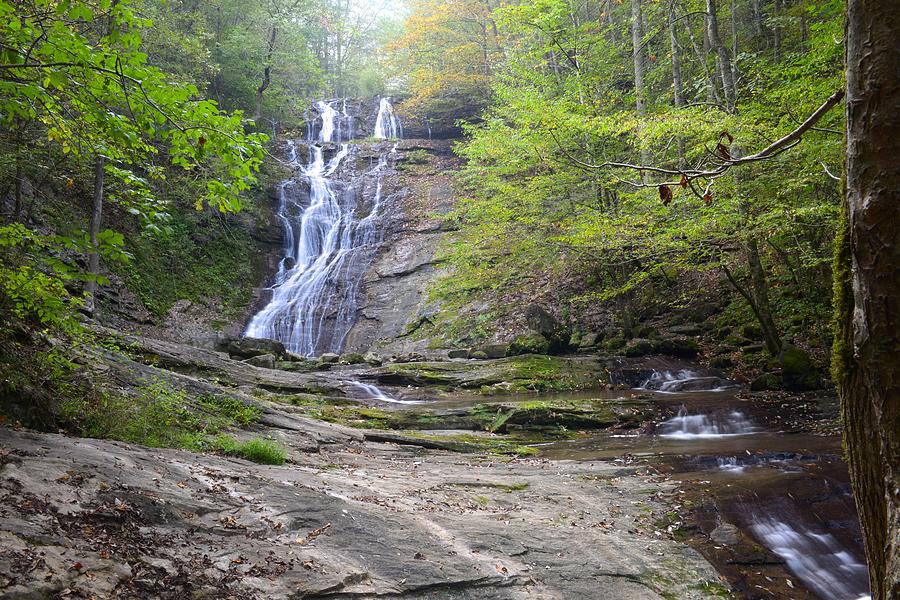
<point>90,518</point>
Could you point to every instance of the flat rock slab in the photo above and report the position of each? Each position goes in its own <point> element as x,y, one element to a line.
<point>91,518</point>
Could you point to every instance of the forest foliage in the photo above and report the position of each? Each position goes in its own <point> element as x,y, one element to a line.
<point>577,89</point>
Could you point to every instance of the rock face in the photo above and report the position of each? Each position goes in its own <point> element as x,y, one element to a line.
<point>393,307</point>
<point>84,518</point>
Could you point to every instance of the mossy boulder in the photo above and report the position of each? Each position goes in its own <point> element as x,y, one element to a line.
<point>352,358</point>
<point>613,344</point>
<point>530,342</point>
<point>765,382</point>
<point>541,321</point>
<point>681,347</point>
<point>589,340</point>
<point>639,347</point>
<point>798,372</point>
<point>329,357</point>
<point>721,362</point>
<point>494,350</point>
<point>479,355</point>
<point>458,353</point>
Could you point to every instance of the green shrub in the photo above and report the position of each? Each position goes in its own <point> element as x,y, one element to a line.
<point>258,450</point>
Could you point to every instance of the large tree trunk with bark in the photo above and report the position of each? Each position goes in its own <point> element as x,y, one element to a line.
<point>867,285</point>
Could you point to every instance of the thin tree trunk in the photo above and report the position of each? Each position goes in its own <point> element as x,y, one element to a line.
<point>713,91</point>
<point>867,287</point>
<point>777,5</point>
<point>96,218</point>
<point>637,38</point>
<point>267,73</point>
<point>676,78</point>
<point>724,61</point>
<point>20,176</point>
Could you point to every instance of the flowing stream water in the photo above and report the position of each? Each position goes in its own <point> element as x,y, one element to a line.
<point>332,229</point>
<point>787,492</point>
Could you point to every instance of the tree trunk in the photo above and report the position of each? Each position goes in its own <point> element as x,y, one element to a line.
<point>96,217</point>
<point>713,91</point>
<point>724,61</point>
<point>867,285</point>
<point>677,84</point>
<point>267,73</point>
<point>637,40</point>
<point>777,29</point>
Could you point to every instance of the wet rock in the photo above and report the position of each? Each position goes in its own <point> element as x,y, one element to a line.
<point>798,373</point>
<point>765,382</point>
<point>494,350</point>
<point>726,534</point>
<point>266,361</point>
<point>329,357</point>
<point>541,321</point>
<point>458,353</point>
<point>408,357</point>
<point>530,342</point>
<point>248,347</point>
<point>373,359</point>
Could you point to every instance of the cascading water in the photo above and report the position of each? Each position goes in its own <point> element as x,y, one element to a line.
<point>376,393</point>
<point>387,125</point>
<point>669,382</point>
<point>331,235</point>
<point>688,426</point>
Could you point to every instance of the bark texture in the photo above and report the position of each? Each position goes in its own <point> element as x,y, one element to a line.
<point>867,348</point>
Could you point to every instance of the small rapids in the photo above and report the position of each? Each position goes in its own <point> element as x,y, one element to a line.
<point>817,559</point>
<point>687,426</point>
<point>374,393</point>
<point>668,382</point>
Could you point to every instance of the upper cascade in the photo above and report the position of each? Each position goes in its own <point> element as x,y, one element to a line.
<point>387,125</point>
<point>332,222</point>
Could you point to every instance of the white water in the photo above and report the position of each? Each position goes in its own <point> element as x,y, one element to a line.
<point>386,124</point>
<point>330,238</point>
<point>817,559</point>
<point>686,426</point>
<point>669,382</point>
<point>376,394</point>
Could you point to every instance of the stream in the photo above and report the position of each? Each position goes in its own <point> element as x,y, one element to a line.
<point>770,507</point>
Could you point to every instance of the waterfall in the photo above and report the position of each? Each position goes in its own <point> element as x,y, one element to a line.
<point>386,124</point>
<point>331,235</point>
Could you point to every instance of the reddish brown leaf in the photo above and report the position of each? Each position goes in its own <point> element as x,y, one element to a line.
<point>665,194</point>
<point>77,566</point>
<point>202,140</point>
<point>684,181</point>
<point>707,197</point>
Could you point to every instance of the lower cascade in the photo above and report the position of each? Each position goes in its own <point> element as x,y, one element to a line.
<point>816,558</point>
<point>686,426</point>
<point>332,231</point>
